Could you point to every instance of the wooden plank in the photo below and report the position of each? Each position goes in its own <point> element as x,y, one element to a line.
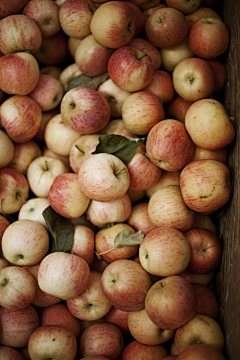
<point>228,278</point>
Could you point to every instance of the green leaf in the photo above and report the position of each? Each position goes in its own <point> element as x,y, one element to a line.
<point>121,146</point>
<point>126,238</point>
<point>87,81</point>
<point>62,231</point>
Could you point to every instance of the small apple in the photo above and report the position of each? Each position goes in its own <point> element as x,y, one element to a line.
<point>9,353</point>
<point>172,55</point>
<point>207,303</point>
<point>4,223</point>
<point>6,149</point>
<point>138,351</point>
<point>118,318</point>
<point>83,243</point>
<point>32,209</point>
<point>139,218</point>
<point>167,178</point>
<point>24,154</point>
<point>11,7</point>
<point>72,45</point>
<point>177,109</point>
<point>162,86</point>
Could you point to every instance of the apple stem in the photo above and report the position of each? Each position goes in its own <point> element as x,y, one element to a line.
<point>231,118</point>
<point>142,57</point>
<point>116,173</point>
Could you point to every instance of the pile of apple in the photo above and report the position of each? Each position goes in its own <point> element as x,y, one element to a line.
<point>113,164</point>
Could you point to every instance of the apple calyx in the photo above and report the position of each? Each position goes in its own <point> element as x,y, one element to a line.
<point>191,79</point>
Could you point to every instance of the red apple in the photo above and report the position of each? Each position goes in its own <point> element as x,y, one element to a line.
<point>140,18</point>
<point>139,218</point>
<point>8,353</point>
<point>137,351</point>
<point>6,149</point>
<point>118,318</point>
<point>201,12</point>
<point>199,352</point>
<point>207,303</point>
<point>167,178</point>
<point>177,109</point>
<point>83,243</point>
<point>204,154</point>
<point>11,7</point>
<point>218,69</point>
<point>145,45</point>
<point>184,6</point>
<point>162,86</point>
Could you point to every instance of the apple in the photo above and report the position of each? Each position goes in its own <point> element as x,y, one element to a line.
<point>162,86</point>
<point>130,69</point>
<point>171,302</point>
<point>14,190</point>
<point>119,21</point>
<point>45,14</point>
<point>66,197</point>
<point>21,117</point>
<point>104,243</point>
<point>72,45</point>
<point>24,154</point>
<point>140,18</point>
<point>83,243</point>
<point>204,279</point>
<point>118,318</point>
<point>164,251</point>
<point>103,214</point>
<point>201,12</point>
<point>4,223</point>
<point>25,242</point>
<point>17,288</point>
<point>201,329</point>
<point>211,113</point>
<point>41,299</point>
<point>172,55</point>
<point>150,10</point>
<point>218,69</point>
<point>169,145</point>
<point>59,137</point>
<point>64,158</point>
<point>19,33</point>
<point>103,177</point>
<point>82,149</point>
<point>98,264</point>
<point>166,207</point>
<point>102,339</point>
<point>54,50</point>
<point>114,96</point>
<point>145,45</point>
<point>185,7</point>
<point>52,70</point>
<point>47,93</point>
<point>19,73</point>
<point>206,251</point>
<point>137,351</point>
<point>42,172</point>
<point>204,154</point>
<point>6,149</point>
<point>32,209</point>
<point>68,73</point>
<point>52,341</point>
<point>204,221</point>
<point>63,275</point>
<point>9,353</point>
<point>205,185</point>
<point>91,304</point>
<point>167,178</point>
<point>177,109</point>
<point>141,110</point>
<point>207,303</point>
<point>146,4</point>
<point>170,357</point>
<point>125,284</point>
<point>204,33</point>
<point>139,218</point>
<point>201,351</point>
<point>75,17</point>
<point>11,7</point>
<point>46,116</point>
<point>92,57</point>
<point>193,79</point>
<point>17,326</point>
<point>59,315</point>
<point>85,110</point>
<point>145,331</point>
<point>166,27</point>
<point>136,195</point>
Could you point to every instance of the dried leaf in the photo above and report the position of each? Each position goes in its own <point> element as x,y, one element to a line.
<point>126,238</point>
<point>87,81</point>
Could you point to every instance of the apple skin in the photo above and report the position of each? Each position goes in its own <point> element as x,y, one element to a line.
<point>208,38</point>
<point>75,17</point>
<point>17,326</point>
<point>200,351</point>
<point>53,341</point>
<point>6,149</point>
<point>70,271</point>
<point>167,178</point>
<point>205,185</point>
<point>204,279</point>
<point>219,73</point>
<point>201,329</point>
<point>201,12</point>
<point>117,33</point>
<point>130,69</point>
<point>4,223</point>
<point>164,251</point>
<point>104,241</point>
<point>150,10</point>
<point>166,207</point>
<point>118,318</point>
<point>103,177</point>
<point>85,110</point>
<point>11,7</point>
<point>8,353</point>
<point>193,79</point>
<point>14,190</point>
<point>91,304</point>
<point>162,86</point>
<point>184,6</point>
<point>204,154</point>
<point>19,33</point>
<point>169,145</point>
<point>171,302</point>
<point>210,113</point>
<point>145,45</point>
<point>46,116</point>
<point>206,251</point>
<point>205,222</point>
<point>45,14</point>
<point>19,73</point>
<point>21,117</point>
<point>137,351</point>
<point>140,18</point>
<point>25,242</point>
<point>83,243</point>
<point>141,110</point>
<point>145,331</point>
<point>102,339</point>
<point>207,303</point>
<point>166,27</point>
<point>17,288</point>
<point>59,315</point>
<point>127,289</point>
<point>67,74</point>
<point>139,218</point>
<point>177,109</point>
<point>72,45</point>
